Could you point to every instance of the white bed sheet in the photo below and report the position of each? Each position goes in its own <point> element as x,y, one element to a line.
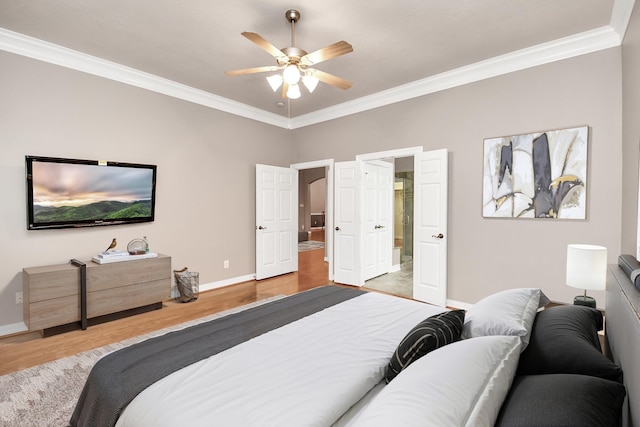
<point>306,373</point>
<point>349,418</point>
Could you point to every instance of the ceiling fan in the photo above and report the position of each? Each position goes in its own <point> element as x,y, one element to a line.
<point>296,63</point>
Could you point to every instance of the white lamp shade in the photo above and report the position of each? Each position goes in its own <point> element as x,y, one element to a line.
<point>275,81</point>
<point>587,267</point>
<point>293,92</point>
<point>310,83</point>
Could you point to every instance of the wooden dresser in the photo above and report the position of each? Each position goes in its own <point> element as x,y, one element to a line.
<point>52,293</point>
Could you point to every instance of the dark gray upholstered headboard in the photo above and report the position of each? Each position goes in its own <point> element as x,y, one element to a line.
<point>622,313</point>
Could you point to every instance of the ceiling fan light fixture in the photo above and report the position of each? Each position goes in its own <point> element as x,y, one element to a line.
<point>293,92</point>
<point>291,74</point>
<point>293,63</point>
<point>275,81</point>
<point>310,82</point>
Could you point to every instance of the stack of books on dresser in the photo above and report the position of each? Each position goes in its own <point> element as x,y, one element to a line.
<point>119,256</point>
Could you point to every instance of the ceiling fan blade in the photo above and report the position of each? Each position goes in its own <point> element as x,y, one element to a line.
<point>326,53</point>
<point>330,79</point>
<point>265,45</point>
<point>252,70</point>
<point>285,88</point>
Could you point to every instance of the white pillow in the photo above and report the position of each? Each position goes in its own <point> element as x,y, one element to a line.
<point>509,312</point>
<point>460,384</point>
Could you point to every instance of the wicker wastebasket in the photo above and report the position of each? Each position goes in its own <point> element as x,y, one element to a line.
<point>187,283</point>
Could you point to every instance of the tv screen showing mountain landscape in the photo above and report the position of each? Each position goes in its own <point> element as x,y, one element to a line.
<point>66,192</point>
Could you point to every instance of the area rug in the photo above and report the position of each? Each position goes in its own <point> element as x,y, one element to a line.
<point>309,245</point>
<point>45,395</point>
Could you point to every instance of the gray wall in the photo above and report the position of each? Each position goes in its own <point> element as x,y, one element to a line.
<point>206,171</point>
<point>206,158</point>
<point>305,178</point>
<point>488,255</point>
<point>318,196</point>
<point>630,132</point>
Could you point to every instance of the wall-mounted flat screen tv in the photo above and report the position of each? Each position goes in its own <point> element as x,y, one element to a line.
<point>65,193</point>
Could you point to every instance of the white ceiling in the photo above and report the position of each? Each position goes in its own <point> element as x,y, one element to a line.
<point>402,48</point>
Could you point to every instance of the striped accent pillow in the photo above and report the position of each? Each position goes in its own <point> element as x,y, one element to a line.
<point>430,334</point>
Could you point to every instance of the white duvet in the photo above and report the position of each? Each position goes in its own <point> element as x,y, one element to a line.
<point>307,373</point>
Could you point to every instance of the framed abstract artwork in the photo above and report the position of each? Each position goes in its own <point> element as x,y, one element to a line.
<point>536,175</point>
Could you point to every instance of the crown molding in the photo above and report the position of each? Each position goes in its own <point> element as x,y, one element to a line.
<point>621,15</point>
<point>568,47</point>
<point>565,48</point>
<point>54,54</point>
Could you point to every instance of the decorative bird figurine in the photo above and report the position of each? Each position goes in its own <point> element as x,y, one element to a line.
<point>113,244</point>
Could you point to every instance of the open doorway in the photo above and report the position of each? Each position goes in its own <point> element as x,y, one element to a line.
<point>312,199</point>
<point>403,211</point>
<point>352,204</point>
<point>312,223</point>
<point>399,281</point>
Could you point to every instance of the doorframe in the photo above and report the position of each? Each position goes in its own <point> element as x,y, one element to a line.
<point>328,215</point>
<point>329,164</point>
<point>392,154</point>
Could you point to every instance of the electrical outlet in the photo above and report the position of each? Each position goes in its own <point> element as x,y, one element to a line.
<point>226,263</point>
<point>18,297</point>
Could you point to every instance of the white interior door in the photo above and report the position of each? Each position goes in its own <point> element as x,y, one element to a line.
<point>346,240</point>
<point>430,227</point>
<point>276,221</point>
<point>377,218</point>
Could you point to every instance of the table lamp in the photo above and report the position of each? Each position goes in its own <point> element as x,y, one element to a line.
<point>586,269</point>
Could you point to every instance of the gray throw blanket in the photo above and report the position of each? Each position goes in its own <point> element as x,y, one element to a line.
<point>119,377</point>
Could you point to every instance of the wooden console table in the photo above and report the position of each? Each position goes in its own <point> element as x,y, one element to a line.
<point>52,293</point>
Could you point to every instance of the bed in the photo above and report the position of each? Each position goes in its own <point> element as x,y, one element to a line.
<point>623,329</point>
<point>343,357</point>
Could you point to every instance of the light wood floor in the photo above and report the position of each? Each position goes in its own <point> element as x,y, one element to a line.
<point>26,350</point>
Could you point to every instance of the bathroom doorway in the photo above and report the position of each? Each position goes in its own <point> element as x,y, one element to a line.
<point>399,281</point>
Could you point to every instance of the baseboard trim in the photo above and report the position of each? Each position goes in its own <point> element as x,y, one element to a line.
<point>216,285</point>
<point>226,282</point>
<point>14,328</point>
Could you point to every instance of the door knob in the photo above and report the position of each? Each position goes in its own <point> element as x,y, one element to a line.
<point>261,228</point>
<point>439,236</point>
<point>337,228</point>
